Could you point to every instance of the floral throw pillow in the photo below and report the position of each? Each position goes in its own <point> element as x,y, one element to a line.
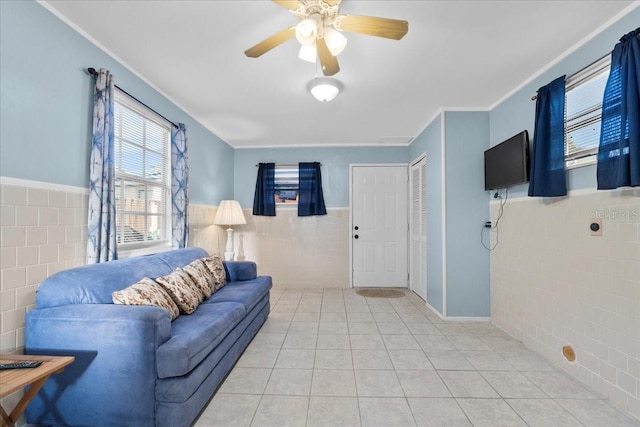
<point>146,292</point>
<point>215,266</point>
<point>201,276</point>
<point>181,288</point>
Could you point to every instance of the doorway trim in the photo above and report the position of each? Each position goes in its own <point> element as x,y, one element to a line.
<point>412,163</point>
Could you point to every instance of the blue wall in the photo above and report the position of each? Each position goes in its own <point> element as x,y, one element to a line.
<point>46,103</point>
<point>335,167</point>
<point>430,142</point>
<point>464,138</point>
<point>517,112</point>
<point>467,209</point>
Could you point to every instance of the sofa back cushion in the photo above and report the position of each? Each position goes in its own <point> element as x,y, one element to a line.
<point>94,284</point>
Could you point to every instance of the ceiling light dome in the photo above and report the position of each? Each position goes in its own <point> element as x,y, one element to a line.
<point>324,89</point>
<point>307,31</point>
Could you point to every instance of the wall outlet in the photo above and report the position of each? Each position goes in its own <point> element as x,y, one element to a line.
<point>595,226</point>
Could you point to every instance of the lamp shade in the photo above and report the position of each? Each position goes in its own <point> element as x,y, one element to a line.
<point>336,42</point>
<point>324,89</point>
<point>229,213</point>
<point>308,52</point>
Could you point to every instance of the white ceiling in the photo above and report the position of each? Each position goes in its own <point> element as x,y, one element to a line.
<point>467,54</point>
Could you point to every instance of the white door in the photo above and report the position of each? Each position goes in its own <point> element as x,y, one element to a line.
<point>418,228</point>
<point>379,226</point>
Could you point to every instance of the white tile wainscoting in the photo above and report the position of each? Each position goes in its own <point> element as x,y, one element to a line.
<point>43,230</point>
<point>553,284</point>
<point>298,252</point>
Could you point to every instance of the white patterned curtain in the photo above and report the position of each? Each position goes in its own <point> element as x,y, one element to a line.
<point>179,178</point>
<point>101,242</point>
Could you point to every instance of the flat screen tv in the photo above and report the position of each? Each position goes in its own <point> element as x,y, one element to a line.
<point>507,163</point>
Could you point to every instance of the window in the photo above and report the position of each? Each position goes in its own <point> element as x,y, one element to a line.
<point>583,112</point>
<point>286,183</point>
<point>142,184</point>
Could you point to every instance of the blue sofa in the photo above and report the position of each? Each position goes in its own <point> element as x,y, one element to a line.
<point>134,367</point>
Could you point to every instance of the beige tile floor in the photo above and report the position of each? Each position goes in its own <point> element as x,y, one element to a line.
<point>334,358</point>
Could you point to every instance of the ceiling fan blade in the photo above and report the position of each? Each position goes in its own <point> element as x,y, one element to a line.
<point>269,43</point>
<point>289,4</point>
<point>328,62</point>
<point>372,26</point>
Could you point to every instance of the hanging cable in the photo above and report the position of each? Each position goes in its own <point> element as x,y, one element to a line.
<point>495,227</point>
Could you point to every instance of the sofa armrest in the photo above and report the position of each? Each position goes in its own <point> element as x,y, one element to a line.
<point>240,270</point>
<point>115,350</point>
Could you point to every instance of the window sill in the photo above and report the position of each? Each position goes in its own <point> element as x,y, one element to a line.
<point>146,250</point>
<point>575,164</point>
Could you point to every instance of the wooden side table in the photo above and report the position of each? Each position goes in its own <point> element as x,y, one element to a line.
<point>12,380</point>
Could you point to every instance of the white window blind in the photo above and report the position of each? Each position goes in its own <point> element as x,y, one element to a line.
<point>287,183</point>
<point>583,112</point>
<point>142,140</point>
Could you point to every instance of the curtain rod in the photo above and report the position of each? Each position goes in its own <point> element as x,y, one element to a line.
<point>288,165</point>
<point>92,71</point>
<point>534,97</point>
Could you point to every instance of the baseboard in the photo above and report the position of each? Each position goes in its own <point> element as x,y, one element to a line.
<point>457,318</point>
<point>436,312</point>
<point>467,319</point>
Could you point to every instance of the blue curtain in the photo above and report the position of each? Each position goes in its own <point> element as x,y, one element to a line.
<point>101,233</point>
<point>179,180</point>
<point>310,199</point>
<point>264,199</point>
<point>548,178</point>
<point>619,153</point>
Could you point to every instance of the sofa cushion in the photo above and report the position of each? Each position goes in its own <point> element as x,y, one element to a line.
<point>146,292</point>
<point>201,276</point>
<point>181,288</point>
<point>216,267</point>
<point>218,362</point>
<point>194,337</point>
<point>247,293</point>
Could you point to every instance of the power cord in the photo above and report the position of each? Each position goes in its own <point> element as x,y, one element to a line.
<point>495,227</point>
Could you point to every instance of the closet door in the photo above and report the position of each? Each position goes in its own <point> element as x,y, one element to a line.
<point>418,228</point>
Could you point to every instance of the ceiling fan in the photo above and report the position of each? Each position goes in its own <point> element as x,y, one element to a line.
<point>320,28</point>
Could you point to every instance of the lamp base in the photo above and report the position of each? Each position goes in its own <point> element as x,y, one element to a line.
<point>240,256</point>
<point>228,249</point>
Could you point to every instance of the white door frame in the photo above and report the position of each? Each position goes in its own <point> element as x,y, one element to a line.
<point>351,167</point>
<point>412,163</point>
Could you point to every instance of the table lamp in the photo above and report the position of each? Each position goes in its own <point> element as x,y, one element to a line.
<point>229,213</point>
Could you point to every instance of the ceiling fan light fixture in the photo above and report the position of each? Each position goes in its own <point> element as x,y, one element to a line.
<point>336,42</point>
<point>324,89</point>
<point>307,31</point>
<point>308,52</point>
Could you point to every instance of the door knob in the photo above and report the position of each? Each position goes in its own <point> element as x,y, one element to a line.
<point>356,236</point>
